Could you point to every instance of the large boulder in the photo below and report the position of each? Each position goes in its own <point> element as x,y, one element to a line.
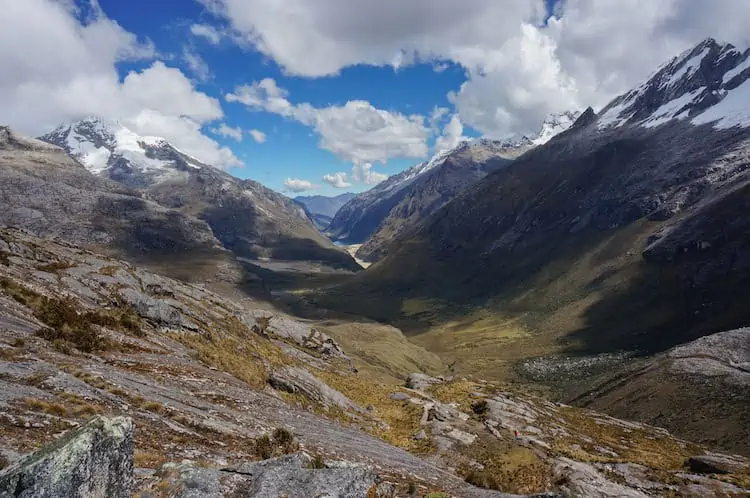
<point>92,461</point>
<point>292,330</point>
<point>292,475</point>
<point>714,463</point>
<point>297,380</point>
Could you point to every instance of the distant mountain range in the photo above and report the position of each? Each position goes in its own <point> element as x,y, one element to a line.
<point>102,185</point>
<point>626,231</point>
<point>394,207</point>
<point>322,209</point>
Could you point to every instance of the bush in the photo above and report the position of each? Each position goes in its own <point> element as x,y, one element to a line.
<point>480,407</point>
<point>317,462</point>
<point>263,447</point>
<point>482,479</point>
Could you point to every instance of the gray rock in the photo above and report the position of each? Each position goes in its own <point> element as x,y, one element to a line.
<point>420,435</point>
<point>713,463</point>
<point>291,476</point>
<point>420,381</point>
<point>399,396</point>
<point>298,380</point>
<point>93,461</point>
<point>295,331</point>
<point>157,310</point>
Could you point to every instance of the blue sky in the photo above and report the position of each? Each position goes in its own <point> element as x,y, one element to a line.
<point>338,93</point>
<point>291,149</point>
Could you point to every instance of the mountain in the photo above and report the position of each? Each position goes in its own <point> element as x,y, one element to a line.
<point>625,232</point>
<point>252,221</point>
<point>47,192</point>
<point>322,208</point>
<point>397,205</point>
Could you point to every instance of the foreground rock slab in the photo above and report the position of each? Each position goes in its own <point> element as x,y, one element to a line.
<point>93,461</point>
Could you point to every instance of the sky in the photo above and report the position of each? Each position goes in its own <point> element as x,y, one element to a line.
<point>328,96</point>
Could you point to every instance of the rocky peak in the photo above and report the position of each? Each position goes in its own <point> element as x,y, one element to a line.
<point>685,87</point>
<point>112,150</point>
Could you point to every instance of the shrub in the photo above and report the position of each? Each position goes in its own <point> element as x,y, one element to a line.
<point>480,407</point>
<point>482,479</point>
<point>263,447</point>
<point>317,462</point>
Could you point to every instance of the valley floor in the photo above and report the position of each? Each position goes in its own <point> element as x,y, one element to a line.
<point>212,379</point>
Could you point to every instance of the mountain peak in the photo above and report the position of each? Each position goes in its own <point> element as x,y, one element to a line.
<point>111,149</point>
<point>686,86</point>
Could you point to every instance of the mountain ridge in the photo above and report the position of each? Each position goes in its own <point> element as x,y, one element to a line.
<point>397,205</point>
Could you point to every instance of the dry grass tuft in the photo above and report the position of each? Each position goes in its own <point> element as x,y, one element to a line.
<point>55,266</point>
<point>44,406</point>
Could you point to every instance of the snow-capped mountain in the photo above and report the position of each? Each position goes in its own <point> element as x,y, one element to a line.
<point>112,150</point>
<point>248,219</point>
<point>706,84</point>
<point>378,215</point>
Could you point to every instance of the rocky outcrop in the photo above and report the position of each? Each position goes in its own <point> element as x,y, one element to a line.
<point>705,376</point>
<point>296,380</point>
<point>293,475</point>
<point>714,463</point>
<point>303,335</point>
<point>93,461</point>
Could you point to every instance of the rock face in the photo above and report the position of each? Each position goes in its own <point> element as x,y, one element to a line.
<point>93,461</point>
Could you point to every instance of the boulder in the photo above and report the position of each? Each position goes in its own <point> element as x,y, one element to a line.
<point>714,463</point>
<point>298,380</point>
<point>420,381</point>
<point>292,330</point>
<point>291,475</point>
<point>92,461</point>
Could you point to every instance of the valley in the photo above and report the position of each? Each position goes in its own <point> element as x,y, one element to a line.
<point>563,314</point>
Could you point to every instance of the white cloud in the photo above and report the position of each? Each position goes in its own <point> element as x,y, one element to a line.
<point>364,173</point>
<point>207,32</point>
<point>337,180</point>
<point>518,68</point>
<point>356,131</point>
<point>296,185</point>
<point>257,135</point>
<point>196,64</point>
<point>66,71</point>
<point>453,134</point>
<point>227,131</point>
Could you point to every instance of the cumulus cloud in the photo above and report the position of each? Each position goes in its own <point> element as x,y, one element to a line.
<point>364,173</point>
<point>520,66</point>
<point>337,180</point>
<point>297,185</point>
<point>453,134</point>
<point>207,32</point>
<point>257,135</point>
<point>227,131</point>
<point>196,64</point>
<point>356,132</point>
<point>66,71</point>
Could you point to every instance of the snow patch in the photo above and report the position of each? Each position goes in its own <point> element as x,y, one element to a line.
<point>731,111</point>
<point>667,112</point>
<point>737,70</point>
<point>688,69</point>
